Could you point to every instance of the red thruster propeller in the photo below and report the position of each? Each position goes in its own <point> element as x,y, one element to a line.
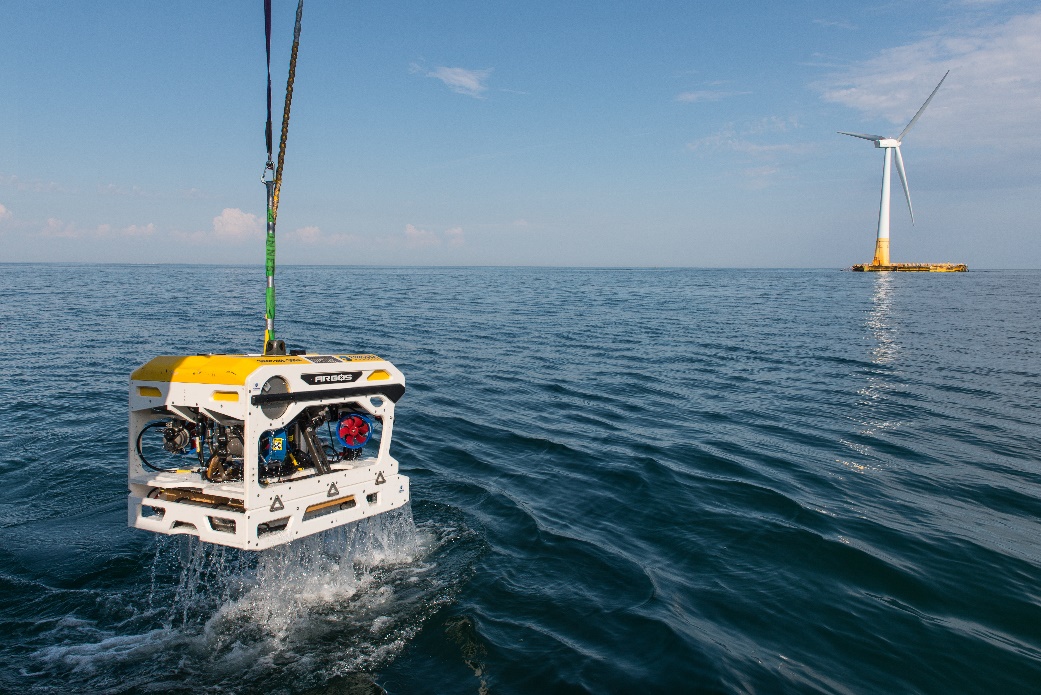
<point>354,430</point>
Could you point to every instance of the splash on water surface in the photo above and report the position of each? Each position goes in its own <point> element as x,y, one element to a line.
<point>335,604</point>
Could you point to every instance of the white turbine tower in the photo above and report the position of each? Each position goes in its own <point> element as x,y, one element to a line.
<point>891,145</point>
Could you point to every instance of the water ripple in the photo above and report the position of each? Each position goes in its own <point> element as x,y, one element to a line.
<point>624,481</point>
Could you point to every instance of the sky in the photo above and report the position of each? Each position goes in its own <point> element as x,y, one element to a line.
<point>585,133</point>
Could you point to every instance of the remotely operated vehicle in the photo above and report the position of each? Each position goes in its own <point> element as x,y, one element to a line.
<point>255,450</point>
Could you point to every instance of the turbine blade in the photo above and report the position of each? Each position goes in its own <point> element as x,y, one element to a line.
<point>903,180</point>
<point>862,136</point>
<point>917,115</point>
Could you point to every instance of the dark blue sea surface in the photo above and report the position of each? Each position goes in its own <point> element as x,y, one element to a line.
<point>661,480</point>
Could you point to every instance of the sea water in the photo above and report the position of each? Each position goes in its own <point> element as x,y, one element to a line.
<point>624,480</point>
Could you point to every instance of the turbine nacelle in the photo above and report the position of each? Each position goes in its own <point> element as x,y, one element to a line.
<point>879,140</point>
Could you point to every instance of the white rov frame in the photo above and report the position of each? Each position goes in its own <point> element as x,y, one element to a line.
<point>247,513</point>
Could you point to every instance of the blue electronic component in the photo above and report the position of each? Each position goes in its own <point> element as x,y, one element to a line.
<point>274,445</point>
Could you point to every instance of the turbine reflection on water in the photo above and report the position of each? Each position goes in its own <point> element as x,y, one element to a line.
<point>879,321</point>
<point>873,406</point>
<point>881,380</point>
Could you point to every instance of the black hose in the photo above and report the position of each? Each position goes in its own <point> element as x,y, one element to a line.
<point>332,439</point>
<point>141,454</point>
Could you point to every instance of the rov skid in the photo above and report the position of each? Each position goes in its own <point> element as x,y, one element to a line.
<point>252,451</point>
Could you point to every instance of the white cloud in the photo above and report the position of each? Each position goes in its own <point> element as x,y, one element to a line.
<point>35,186</point>
<point>136,230</point>
<point>740,140</point>
<point>237,225</point>
<point>455,236</point>
<point>5,214</point>
<point>704,95</point>
<point>835,23</point>
<point>195,194</point>
<point>314,235</point>
<point>308,235</point>
<point>57,229</point>
<point>761,177</point>
<point>417,238</point>
<point>772,124</point>
<point>472,83</point>
<point>114,189</point>
<point>991,98</point>
<point>763,146</point>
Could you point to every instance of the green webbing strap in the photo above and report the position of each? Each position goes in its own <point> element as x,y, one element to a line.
<point>274,183</point>
<point>269,269</point>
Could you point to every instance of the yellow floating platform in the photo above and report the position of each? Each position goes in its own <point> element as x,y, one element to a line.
<point>913,267</point>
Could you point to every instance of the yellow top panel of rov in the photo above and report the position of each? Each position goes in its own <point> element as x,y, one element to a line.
<point>221,369</point>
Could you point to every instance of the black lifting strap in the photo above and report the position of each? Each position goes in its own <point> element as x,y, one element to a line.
<point>267,34</point>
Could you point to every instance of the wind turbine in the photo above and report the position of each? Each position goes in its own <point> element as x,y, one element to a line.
<point>891,145</point>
